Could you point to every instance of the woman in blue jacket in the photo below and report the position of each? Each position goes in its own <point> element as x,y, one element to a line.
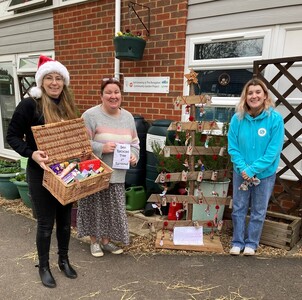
<point>255,141</point>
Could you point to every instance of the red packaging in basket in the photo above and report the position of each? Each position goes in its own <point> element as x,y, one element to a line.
<point>92,164</point>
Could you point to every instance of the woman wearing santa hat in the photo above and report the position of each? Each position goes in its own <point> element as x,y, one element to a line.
<point>50,101</point>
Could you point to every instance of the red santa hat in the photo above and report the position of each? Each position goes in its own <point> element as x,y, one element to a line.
<point>47,65</point>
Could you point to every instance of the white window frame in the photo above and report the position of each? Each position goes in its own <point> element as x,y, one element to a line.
<point>3,151</point>
<point>28,55</point>
<point>228,63</point>
<point>15,59</point>
<point>24,5</point>
<point>224,63</point>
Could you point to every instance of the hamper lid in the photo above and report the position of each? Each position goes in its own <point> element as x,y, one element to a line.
<point>63,140</point>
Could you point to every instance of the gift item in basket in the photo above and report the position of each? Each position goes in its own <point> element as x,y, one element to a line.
<point>68,141</point>
<point>92,164</point>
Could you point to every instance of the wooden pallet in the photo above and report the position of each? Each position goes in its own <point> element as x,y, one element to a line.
<point>210,245</point>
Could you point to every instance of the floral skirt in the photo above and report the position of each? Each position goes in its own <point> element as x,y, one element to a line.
<point>103,215</point>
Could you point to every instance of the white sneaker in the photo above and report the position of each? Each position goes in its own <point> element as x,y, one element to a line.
<point>235,250</point>
<point>248,251</point>
<point>110,247</point>
<point>96,250</point>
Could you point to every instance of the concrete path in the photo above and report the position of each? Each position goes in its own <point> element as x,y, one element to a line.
<point>152,276</point>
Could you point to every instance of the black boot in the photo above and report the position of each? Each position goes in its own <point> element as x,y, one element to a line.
<point>65,266</point>
<point>46,276</point>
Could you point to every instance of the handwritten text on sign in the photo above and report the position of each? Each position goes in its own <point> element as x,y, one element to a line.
<point>121,156</point>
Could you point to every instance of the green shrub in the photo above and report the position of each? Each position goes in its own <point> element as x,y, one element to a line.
<point>7,166</point>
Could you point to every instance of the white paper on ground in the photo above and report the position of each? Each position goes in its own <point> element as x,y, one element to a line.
<point>188,235</point>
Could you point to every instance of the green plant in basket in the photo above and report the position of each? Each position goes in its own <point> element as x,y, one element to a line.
<point>128,33</point>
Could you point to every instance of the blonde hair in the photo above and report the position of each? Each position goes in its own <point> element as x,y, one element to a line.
<point>242,106</point>
<point>53,112</point>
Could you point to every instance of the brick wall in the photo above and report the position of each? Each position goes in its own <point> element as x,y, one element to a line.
<point>84,43</point>
<point>286,202</point>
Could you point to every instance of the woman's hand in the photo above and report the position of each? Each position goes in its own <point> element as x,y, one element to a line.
<point>133,160</point>
<point>109,147</point>
<point>40,157</point>
<point>245,176</point>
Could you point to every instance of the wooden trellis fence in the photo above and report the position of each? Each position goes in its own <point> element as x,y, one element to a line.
<point>284,69</point>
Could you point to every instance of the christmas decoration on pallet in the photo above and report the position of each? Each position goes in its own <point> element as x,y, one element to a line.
<point>198,156</point>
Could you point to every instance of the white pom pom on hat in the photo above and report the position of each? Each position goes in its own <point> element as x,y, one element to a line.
<point>47,65</point>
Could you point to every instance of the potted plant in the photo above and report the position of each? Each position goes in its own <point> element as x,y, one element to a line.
<point>20,181</point>
<point>9,169</point>
<point>129,46</point>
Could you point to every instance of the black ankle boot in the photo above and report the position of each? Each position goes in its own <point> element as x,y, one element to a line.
<point>46,276</point>
<point>65,266</point>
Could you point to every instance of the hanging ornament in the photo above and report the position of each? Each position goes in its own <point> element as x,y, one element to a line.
<point>164,191</point>
<point>162,177</point>
<point>214,175</point>
<point>185,205</point>
<point>200,126</point>
<point>207,210</point>
<point>231,204</point>
<point>215,194</point>
<point>187,109</point>
<point>184,175</point>
<point>192,77</point>
<point>206,144</point>
<point>200,176</point>
<point>186,163</point>
<point>201,111</point>
<point>177,103</point>
<point>188,138</point>
<point>167,152</point>
<point>178,126</point>
<point>189,150</point>
<point>221,151</point>
<point>220,223</point>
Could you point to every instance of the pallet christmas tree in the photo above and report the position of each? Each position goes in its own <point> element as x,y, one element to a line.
<point>196,156</point>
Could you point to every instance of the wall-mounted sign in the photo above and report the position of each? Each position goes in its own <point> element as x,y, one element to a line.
<point>147,84</point>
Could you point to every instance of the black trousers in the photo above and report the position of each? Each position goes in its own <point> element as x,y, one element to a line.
<point>48,211</point>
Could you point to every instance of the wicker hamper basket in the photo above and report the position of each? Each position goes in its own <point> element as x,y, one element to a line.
<point>64,141</point>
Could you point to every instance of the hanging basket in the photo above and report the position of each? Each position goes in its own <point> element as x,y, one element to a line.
<point>129,48</point>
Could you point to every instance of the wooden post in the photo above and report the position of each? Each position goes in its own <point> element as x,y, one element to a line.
<point>191,161</point>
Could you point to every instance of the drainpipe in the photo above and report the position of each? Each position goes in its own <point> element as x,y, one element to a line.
<point>117,29</point>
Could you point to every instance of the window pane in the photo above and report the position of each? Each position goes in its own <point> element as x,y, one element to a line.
<point>219,114</point>
<point>222,83</point>
<point>7,97</point>
<point>28,63</point>
<point>230,49</point>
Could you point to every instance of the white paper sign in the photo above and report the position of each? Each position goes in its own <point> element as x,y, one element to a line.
<point>188,235</point>
<point>121,156</point>
<point>147,84</point>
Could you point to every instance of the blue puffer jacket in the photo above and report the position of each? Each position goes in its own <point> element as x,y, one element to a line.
<point>255,144</point>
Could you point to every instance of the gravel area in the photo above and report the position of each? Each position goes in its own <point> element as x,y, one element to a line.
<point>145,244</point>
